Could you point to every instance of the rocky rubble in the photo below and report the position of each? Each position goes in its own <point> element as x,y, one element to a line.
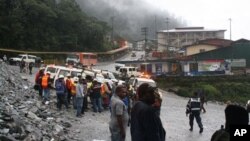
<point>23,116</point>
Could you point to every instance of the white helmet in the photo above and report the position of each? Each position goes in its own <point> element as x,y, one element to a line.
<point>79,74</point>
<point>68,75</point>
<point>61,76</point>
<point>48,72</point>
<point>76,79</point>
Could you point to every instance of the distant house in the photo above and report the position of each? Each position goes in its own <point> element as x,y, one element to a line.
<point>183,36</point>
<point>233,58</point>
<point>206,45</point>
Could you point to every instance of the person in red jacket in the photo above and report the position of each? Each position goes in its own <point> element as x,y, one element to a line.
<point>38,81</point>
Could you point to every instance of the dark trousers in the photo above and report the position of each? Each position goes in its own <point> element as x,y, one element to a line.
<point>69,96</point>
<point>60,101</point>
<point>196,115</point>
<point>30,69</point>
<point>202,107</point>
<point>40,90</point>
<point>85,102</point>
<point>79,103</point>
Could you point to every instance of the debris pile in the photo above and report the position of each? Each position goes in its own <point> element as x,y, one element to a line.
<point>23,116</point>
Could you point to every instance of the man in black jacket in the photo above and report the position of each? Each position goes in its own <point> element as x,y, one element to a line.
<point>146,125</point>
<point>193,109</point>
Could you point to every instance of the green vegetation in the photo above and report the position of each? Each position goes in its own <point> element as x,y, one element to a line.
<point>50,25</point>
<point>219,88</point>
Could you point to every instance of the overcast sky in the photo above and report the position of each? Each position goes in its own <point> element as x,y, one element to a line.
<point>212,14</point>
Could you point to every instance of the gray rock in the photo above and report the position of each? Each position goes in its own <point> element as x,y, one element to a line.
<point>21,107</point>
<point>28,128</point>
<point>58,130</point>
<point>66,124</point>
<point>33,116</point>
<point>7,138</point>
<point>4,131</point>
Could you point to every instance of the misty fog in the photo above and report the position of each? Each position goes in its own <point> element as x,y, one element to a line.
<point>129,16</point>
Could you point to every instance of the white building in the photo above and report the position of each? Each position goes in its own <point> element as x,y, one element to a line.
<point>179,37</point>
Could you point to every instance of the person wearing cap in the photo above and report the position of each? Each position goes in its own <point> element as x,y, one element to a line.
<point>68,87</point>
<point>96,94</point>
<point>60,87</point>
<point>85,98</point>
<point>38,81</point>
<point>80,92</point>
<point>106,93</point>
<point>73,91</point>
<point>46,85</point>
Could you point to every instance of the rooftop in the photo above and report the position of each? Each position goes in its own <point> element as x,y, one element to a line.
<point>191,29</point>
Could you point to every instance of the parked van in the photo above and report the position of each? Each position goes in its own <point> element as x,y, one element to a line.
<point>128,71</point>
<point>64,71</point>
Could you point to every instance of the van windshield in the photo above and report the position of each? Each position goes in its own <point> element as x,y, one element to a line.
<point>51,69</point>
<point>74,73</point>
<point>19,56</point>
<point>72,56</point>
<point>111,75</point>
<point>63,72</point>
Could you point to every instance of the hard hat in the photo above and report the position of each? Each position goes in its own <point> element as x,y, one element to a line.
<point>78,74</point>
<point>41,68</point>
<point>76,79</point>
<point>48,72</point>
<point>61,76</point>
<point>95,79</point>
<point>68,75</point>
<point>83,77</point>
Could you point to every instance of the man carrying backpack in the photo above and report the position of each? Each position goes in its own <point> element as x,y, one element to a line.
<point>61,92</point>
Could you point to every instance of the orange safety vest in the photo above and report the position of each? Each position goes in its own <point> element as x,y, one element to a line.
<point>45,80</point>
<point>102,89</point>
<point>68,84</point>
<point>73,89</point>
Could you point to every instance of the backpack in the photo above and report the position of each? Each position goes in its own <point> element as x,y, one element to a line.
<point>221,135</point>
<point>60,88</point>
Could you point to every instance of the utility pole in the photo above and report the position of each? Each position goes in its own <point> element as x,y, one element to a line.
<point>230,28</point>
<point>144,31</point>
<point>156,40</point>
<point>167,37</point>
<point>112,33</point>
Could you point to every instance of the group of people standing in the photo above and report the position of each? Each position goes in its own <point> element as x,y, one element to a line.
<point>145,123</point>
<point>75,91</point>
<point>26,67</point>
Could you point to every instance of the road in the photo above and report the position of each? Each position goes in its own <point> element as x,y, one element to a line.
<point>95,125</point>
